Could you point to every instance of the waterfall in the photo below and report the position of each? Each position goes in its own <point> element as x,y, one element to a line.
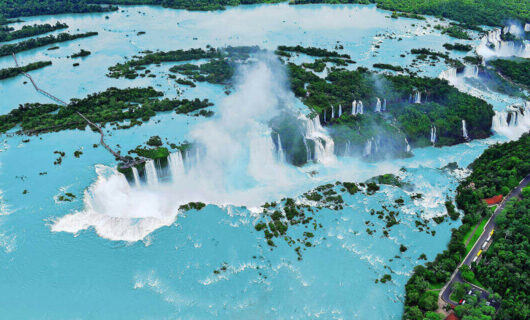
<point>307,150</point>
<point>324,116</point>
<point>354,107</point>
<point>340,110</point>
<point>360,107</point>
<point>513,121</point>
<point>384,105</point>
<point>492,45</point>
<point>332,112</point>
<point>176,165</point>
<point>407,147</point>
<point>527,27</point>
<point>448,74</point>
<point>324,145</point>
<point>378,105</point>
<point>150,172</point>
<point>368,147</point>
<point>433,134</point>
<point>417,97</point>
<point>471,71</point>
<point>281,156</point>
<point>136,176</point>
<point>464,130</point>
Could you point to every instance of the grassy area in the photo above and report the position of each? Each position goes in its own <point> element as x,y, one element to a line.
<point>436,286</point>
<point>475,236</point>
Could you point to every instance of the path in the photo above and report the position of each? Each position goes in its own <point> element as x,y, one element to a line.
<point>490,225</point>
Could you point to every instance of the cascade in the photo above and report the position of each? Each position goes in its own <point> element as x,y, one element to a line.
<point>448,74</point>
<point>176,165</point>
<point>354,107</point>
<point>324,145</point>
<point>360,108</point>
<point>347,150</point>
<point>332,112</point>
<point>513,121</point>
<point>464,130</point>
<point>493,45</point>
<point>378,105</point>
<point>324,116</point>
<point>433,134</point>
<point>407,147</point>
<point>281,156</point>
<point>150,172</point>
<point>340,110</point>
<point>384,105</point>
<point>417,97</point>
<point>471,71</point>
<point>527,27</point>
<point>368,147</point>
<point>307,150</point>
<point>136,176</point>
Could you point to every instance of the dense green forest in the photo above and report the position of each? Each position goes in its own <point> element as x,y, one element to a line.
<point>15,71</point>
<point>498,169</point>
<point>442,106</point>
<point>517,71</point>
<point>29,31</point>
<point>112,105</point>
<point>504,266</point>
<point>33,43</point>
<point>18,8</point>
<point>472,12</point>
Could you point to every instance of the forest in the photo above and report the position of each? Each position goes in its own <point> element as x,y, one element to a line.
<point>517,71</point>
<point>29,31</point>
<point>471,12</point>
<point>15,71</point>
<point>113,105</point>
<point>497,170</point>
<point>441,106</point>
<point>33,43</point>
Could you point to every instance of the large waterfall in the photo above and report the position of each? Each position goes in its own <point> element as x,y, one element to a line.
<point>464,130</point>
<point>378,105</point>
<point>150,172</point>
<point>448,74</point>
<point>136,176</point>
<point>514,121</point>
<point>324,145</point>
<point>340,110</point>
<point>433,134</point>
<point>281,156</point>
<point>492,45</point>
<point>417,97</point>
<point>176,165</point>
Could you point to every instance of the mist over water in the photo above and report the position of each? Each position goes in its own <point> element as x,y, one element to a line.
<point>234,161</point>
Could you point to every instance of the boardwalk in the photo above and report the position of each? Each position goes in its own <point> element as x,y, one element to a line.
<point>61,102</point>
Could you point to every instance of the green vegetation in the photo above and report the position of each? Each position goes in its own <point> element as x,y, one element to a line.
<point>15,71</point>
<point>388,67</point>
<point>517,70</point>
<point>29,31</point>
<point>469,12</point>
<point>33,43</point>
<point>313,52</point>
<point>110,106</point>
<point>456,31</point>
<point>216,71</point>
<point>445,109</point>
<point>17,8</point>
<point>504,266</point>
<point>498,169</point>
<point>458,47</point>
<point>472,239</point>
<point>82,53</point>
<point>192,205</point>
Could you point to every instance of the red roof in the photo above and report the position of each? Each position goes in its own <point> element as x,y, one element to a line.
<point>452,316</point>
<point>494,200</point>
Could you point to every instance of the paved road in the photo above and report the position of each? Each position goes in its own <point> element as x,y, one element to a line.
<point>490,225</point>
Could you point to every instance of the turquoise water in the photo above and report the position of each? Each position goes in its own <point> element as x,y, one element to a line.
<point>64,260</point>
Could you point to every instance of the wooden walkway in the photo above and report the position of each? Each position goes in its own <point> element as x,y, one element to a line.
<point>117,155</point>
